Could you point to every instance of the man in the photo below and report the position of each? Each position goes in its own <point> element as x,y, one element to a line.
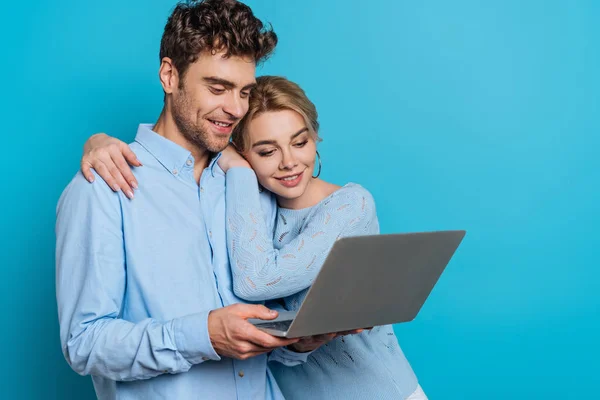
<point>143,287</point>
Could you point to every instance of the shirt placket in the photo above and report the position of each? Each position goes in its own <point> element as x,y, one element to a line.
<point>241,368</point>
<point>205,209</point>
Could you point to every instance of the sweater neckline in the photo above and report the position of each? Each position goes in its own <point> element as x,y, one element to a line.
<point>292,211</point>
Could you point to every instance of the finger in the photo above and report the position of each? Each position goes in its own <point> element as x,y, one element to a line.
<point>351,332</point>
<point>104,173</point>
<point>86,170</point>
<point>251,354</point>
<point>327,337</point>
<point>257,311</point>
<point>118,178</point>
<point>245,347</point>
<point>125,171</point>
<point>263,339</point>
<point>129,155</point>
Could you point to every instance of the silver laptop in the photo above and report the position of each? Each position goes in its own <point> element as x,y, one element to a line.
<point>369,281</point>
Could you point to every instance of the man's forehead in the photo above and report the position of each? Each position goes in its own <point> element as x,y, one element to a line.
<point>240,71</point>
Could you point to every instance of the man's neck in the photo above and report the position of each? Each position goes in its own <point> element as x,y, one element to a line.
<point>166,127</point>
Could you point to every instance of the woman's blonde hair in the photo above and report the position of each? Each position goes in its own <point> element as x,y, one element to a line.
<point>276,93</point>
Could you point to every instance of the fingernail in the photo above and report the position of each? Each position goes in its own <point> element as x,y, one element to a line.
<point>116,187</point>
<point>90,179</point>
<point>272,312</point>
<point>130,194</point>
<point>134,185</point>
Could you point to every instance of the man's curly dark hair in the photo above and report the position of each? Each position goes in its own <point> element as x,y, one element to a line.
<point>214,25</point>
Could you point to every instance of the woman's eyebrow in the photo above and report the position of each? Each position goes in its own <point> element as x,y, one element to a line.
<point>295,135</point>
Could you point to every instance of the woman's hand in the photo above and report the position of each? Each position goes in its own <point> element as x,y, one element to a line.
<point>311,343</point>
<point>231,158</point>
<point>111,158</point>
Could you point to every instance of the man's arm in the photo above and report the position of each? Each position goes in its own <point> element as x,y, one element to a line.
<point>90,285</point>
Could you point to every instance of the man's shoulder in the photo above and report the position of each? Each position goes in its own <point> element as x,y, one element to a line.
<point>142,153</point>
<point>80,191</point>
<point>135,146</point>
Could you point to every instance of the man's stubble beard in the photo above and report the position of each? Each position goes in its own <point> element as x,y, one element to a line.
<point>193,133</point>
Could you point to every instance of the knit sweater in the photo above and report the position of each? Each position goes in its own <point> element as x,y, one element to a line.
<point>281,258</point>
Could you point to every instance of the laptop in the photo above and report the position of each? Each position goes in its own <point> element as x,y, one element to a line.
<point>369,281</point>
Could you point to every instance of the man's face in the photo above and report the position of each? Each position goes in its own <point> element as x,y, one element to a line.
<point>212,98</point>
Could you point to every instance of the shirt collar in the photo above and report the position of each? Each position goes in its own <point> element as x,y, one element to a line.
<point>214,167</point>
<point>171,155</point>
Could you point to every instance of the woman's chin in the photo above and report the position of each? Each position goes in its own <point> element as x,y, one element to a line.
<point>285,193</point>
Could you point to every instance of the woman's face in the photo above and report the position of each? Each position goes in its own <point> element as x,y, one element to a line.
<point>282,152</point>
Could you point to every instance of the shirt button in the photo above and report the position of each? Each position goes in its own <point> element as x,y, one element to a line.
<point>241,374</point>
<point>174,172</point>
<point>188,162</point>
<point>201,189</point>
<point>210,234</point>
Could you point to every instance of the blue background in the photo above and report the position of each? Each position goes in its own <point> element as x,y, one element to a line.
<point>464,114</point>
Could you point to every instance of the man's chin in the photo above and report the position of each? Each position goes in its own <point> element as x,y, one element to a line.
<point>217,146</point>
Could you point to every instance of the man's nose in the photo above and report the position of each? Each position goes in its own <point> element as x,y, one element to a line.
<point>234,105</point>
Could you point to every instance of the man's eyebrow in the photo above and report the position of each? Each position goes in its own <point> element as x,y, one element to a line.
<point>294,136</point>
<point>214,80</point>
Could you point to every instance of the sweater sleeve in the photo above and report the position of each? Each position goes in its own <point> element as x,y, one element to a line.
<point>262,272</point>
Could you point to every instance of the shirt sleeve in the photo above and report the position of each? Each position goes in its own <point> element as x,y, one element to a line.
<point>90,287</point>
<point>262,272</point>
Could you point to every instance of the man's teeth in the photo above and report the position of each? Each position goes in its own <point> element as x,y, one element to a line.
<point>224,125</point>
<point>289,178</point>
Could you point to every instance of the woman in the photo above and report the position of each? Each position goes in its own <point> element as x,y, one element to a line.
<point>277,139</point>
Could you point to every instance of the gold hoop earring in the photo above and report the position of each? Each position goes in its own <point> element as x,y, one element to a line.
<point>320,166</point>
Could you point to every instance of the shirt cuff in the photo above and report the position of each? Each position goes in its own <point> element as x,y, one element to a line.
<point>192,339</point>
<point>288,357</point>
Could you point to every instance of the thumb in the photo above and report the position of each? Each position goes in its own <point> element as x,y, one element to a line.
<point>261,312</point>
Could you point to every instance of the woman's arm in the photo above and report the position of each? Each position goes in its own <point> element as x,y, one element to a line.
<point>111,158</point>
<point>262,272</point>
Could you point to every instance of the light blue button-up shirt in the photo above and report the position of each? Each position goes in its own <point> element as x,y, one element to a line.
<point>137,278</point>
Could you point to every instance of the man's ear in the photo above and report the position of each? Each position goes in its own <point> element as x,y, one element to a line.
<point>168,75</point>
